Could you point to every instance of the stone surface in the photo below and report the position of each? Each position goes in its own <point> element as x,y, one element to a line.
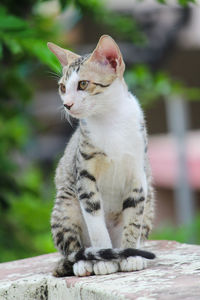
<point>174,274</point>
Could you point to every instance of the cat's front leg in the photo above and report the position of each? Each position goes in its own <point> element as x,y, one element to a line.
<point>92,209</point>
<point>93,213</point>
<point>133,224</point>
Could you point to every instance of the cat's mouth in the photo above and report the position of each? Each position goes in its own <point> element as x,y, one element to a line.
<point>78,114</point>
<point>72,112</point>
<point>75,114</point>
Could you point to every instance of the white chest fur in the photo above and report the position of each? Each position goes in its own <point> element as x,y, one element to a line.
<point>118,134</point>
<point>117,130</point>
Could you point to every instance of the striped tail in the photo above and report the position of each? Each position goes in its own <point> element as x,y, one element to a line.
<point>107,254</point>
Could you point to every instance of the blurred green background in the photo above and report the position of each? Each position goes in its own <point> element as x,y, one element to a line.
<point>26,184</point>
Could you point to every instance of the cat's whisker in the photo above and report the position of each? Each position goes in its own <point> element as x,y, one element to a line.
<point>54,73</point>
<point>65,115</point>
<point>68,117</point>
<point>62,114</point>
<point>60,107</point>
<point>54,77</point>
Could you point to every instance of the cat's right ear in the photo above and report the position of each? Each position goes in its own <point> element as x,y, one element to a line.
<point>107,52</point>
<point>64,56</point>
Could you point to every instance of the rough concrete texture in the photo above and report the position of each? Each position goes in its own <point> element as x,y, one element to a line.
<point>174,274</point>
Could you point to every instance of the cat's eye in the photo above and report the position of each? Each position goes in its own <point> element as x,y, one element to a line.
<point>62,88</point>
<point>82,85</point>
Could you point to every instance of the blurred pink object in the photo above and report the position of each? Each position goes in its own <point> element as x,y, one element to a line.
<point>163,159</point>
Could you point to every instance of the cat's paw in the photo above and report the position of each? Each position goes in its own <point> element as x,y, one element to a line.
<point>132,264</point>
<point>82,268</point>
<point>105,267</point>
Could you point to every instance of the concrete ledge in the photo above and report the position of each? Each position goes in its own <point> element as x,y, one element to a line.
<point>175,274</point>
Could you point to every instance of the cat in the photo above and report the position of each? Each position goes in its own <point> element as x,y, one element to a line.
<point>104,204</point>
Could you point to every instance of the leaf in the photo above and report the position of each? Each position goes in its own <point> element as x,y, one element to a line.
<point>162,1</point>
<point>39,49</point>
<point>13,45</point>
<point>64,3</point>
<point>1,50</point>
<point>186,2</point>
<point>8,22</point>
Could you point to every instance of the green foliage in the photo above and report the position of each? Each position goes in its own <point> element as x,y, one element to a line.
<point>149,86</point>
<point>183,234</point>
<point>120,26</point>
<point>22,41</point>
<point>24,213</point>
<point>26,222</point>
<point>181,2</point>
<point>24,38</point>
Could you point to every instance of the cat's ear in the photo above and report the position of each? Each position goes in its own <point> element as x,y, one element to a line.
<point>107,52</point>
<point>64,56</point>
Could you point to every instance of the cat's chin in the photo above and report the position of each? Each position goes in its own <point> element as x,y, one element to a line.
<point>79,115</point>
<point>76,115</point>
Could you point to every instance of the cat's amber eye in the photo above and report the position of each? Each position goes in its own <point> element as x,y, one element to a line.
<point>82,85</point>
<point>62,88</point>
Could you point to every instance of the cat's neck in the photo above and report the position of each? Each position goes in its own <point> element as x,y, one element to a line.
<point>116,125</point>
<point>117,103</point>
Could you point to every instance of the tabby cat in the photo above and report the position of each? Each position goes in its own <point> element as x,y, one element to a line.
<point>105,201</point>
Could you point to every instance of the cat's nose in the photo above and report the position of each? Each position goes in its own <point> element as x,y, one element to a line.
<point>68,106</point>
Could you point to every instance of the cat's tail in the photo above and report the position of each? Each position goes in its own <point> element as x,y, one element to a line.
<point>107,254</point>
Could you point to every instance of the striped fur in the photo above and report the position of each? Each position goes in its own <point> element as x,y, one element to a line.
<point>104,205</point>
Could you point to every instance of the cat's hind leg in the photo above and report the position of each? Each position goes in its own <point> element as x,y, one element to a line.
<point>63,268</point>
<point>66,268</point>
<point>66,227</point>
<point>135,227</point>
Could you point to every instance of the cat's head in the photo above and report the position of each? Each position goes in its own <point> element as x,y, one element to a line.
<point>88,81</point>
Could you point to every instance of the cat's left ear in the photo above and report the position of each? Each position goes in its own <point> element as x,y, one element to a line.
<point>65,57</point>
<point>107,52</point>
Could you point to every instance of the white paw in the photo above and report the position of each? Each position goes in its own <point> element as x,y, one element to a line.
<point>105,267</point>
<point>132,264</point>
<point>82,268</point>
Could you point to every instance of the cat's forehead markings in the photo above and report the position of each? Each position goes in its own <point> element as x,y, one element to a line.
<point>75,66</point>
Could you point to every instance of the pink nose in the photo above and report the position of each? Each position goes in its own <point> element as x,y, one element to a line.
<point>68,106</point>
